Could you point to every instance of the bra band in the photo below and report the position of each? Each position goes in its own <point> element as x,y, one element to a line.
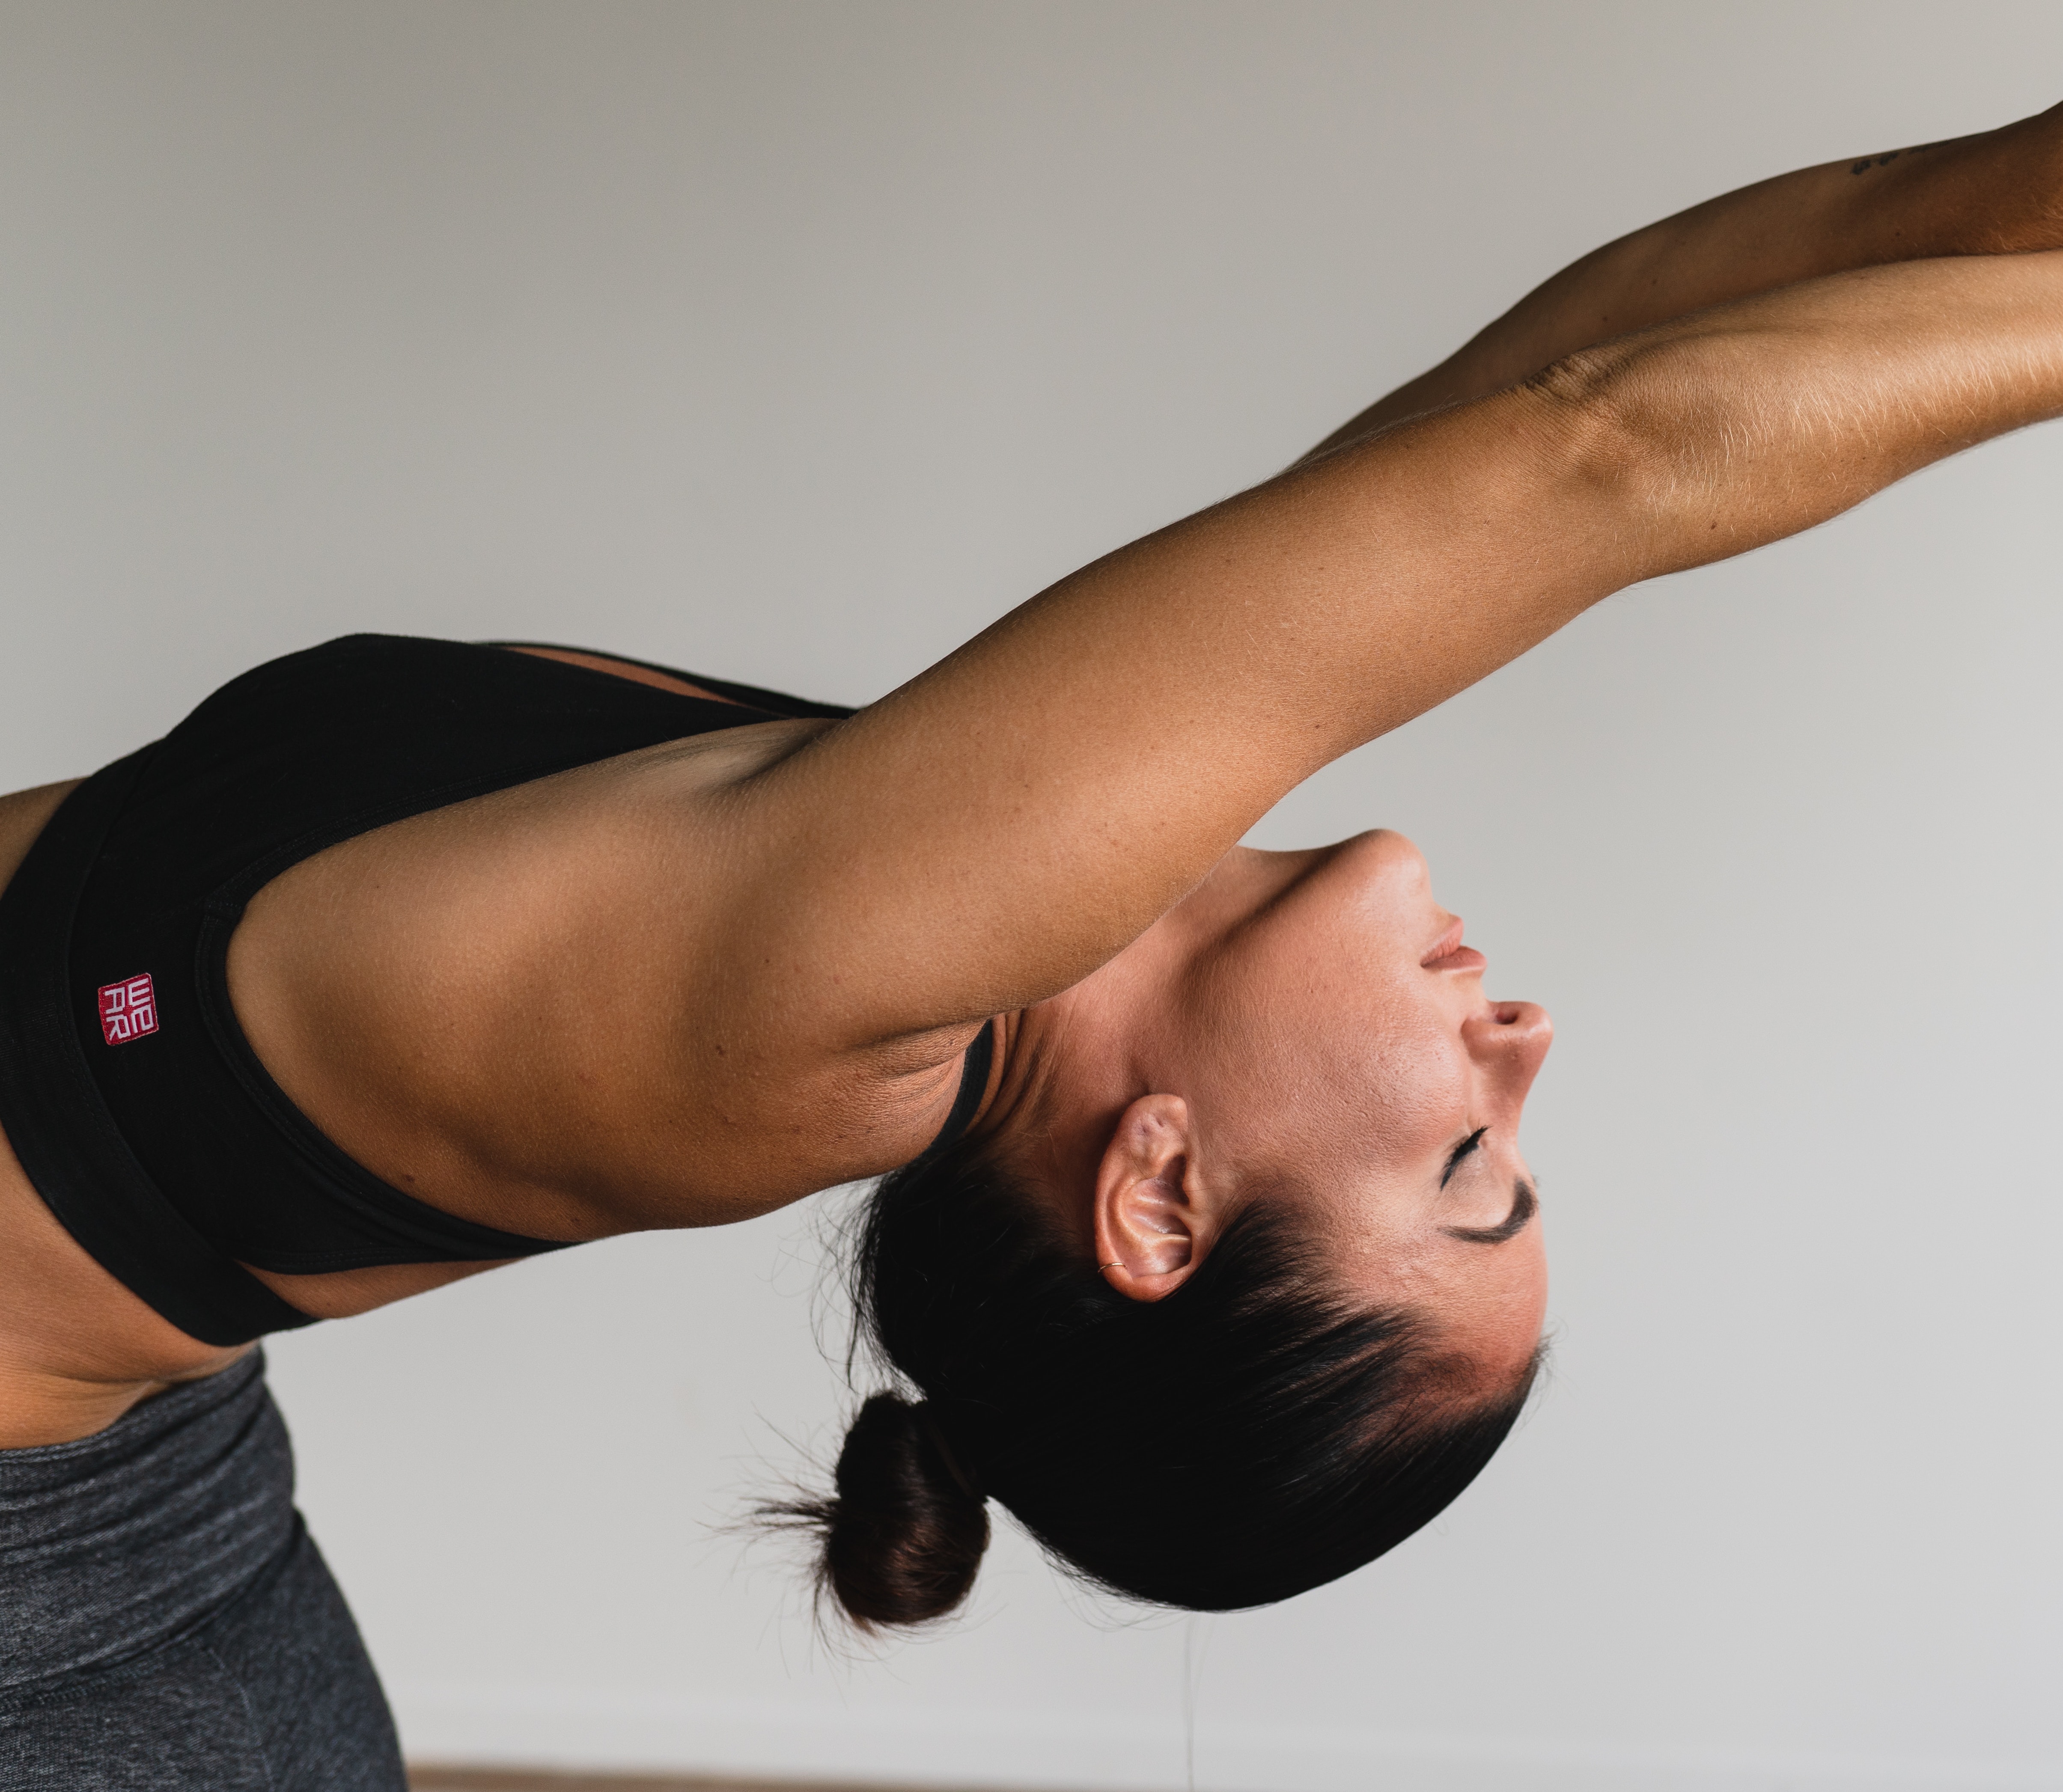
<point>67,1143</point>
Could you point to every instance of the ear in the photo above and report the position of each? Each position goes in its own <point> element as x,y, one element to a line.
<point>1155,1221</point>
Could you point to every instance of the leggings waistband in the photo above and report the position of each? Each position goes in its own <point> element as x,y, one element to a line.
<point>114,1544</point>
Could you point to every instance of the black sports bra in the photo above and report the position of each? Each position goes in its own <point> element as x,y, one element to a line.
<point>132,1099</point>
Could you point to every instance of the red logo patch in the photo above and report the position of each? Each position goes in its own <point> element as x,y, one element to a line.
<point>128,1010</point>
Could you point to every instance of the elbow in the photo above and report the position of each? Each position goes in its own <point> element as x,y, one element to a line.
<point>1624,441</point>
<point>1585,403</point>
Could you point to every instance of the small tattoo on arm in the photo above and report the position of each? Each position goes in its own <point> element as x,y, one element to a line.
<point>1870,161</point>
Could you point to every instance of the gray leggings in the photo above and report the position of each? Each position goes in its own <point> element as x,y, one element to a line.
<point>166,1624</point>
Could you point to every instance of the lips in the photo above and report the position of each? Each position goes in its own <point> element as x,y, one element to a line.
<point>1462,957</point>
<point>1448,953</point>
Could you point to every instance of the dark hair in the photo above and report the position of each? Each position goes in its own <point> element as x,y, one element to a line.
<point>1249,1436</point>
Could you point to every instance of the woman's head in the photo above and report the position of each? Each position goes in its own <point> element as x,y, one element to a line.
<point>1305,1028</point>
<point>1235,1287</point>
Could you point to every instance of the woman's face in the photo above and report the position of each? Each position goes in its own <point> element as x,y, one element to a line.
<point>1326,1033</point>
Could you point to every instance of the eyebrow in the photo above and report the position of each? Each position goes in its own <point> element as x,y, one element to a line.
<point>1524,1205</point>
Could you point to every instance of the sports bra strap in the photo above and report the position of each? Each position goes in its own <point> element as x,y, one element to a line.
<point>973,1084</point>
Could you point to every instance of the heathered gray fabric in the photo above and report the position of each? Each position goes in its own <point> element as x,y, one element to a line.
<point>166,1624</point>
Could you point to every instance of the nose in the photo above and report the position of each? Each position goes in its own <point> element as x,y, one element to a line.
<point>1509,1041</point>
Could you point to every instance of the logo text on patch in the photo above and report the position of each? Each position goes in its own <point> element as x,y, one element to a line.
<point>128,1010</point>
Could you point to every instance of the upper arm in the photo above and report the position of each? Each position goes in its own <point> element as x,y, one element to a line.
<point>993,831</point>
<point>742,965</point>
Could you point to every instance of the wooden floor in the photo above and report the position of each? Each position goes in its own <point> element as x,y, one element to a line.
<point>496,1779</point>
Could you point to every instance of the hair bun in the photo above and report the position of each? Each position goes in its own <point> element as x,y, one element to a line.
<point>903,1537</point>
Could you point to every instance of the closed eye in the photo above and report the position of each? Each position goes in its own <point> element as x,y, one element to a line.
<point>1460,1151</point>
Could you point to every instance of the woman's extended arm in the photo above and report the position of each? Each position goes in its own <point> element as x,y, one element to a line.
<point>993,831</point>
<point>1998,192</point>
<point>698,981</point>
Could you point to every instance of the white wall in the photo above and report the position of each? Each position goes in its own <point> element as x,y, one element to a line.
<point>795,342</point>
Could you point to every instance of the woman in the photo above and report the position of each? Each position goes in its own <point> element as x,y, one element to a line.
<point>1210,1248</point>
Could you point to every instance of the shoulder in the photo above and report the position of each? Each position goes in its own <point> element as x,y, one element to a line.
<point>560,1008</point>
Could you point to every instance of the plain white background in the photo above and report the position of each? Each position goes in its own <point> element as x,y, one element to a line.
<point>795,342</point>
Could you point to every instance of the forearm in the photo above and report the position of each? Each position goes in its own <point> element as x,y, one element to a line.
<point>1746,424</point>
<point>995,830</point>
<point>2001,191</point>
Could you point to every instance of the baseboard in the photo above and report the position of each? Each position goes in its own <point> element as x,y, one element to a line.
<point>433,1778</point>
<point>972,1750</point>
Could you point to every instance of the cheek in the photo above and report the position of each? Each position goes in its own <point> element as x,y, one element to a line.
<point>1327,1063</point>
<point>1410,1077</point>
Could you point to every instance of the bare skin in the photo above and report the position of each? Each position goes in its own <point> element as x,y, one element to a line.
<point>743,967</point>
<point>1158,1097</point>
